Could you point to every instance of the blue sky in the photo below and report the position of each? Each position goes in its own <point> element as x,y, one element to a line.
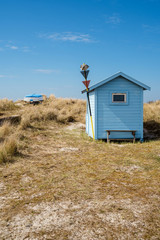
<point>43,43</point>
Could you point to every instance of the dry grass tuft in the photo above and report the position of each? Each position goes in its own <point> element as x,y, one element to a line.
<point>152,111</point>
<point>5,130</point>
<point>9,141</point>
<point>51,97</point>
<point>6,105</point>
<point>8,150</point>
<point>152,118</point>
<point>25,122</point>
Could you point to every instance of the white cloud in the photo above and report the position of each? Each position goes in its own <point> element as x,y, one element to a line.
<point>12,47</point>
<point>114,19</point>
<point>68,36</point>
<point>15,47</point>
<point>6,76</point>
<point>47,71</point>
<point>9,45</point>
<point>150,28</point>
<point>25,49</point>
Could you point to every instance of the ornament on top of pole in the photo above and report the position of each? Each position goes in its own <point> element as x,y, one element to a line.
<point>85,72</point>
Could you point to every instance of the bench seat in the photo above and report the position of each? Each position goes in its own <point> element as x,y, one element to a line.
<point>109,131</point>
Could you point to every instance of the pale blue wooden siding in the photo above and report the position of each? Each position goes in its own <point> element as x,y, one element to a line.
<point>88,121</point>
<point>119,116</point>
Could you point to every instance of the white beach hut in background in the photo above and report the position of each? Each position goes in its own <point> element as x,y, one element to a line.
<point>34,98</point>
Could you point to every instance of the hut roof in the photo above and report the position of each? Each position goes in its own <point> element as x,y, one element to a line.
<point>145,87</point>
<point>34,95</point>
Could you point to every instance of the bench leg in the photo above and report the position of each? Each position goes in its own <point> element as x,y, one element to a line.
<point>108,133</point>
<point>133,133</point>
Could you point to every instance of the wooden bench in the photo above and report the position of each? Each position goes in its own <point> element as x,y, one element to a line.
<point>109,131</point>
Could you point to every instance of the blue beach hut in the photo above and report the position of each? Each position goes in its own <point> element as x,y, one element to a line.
<point>117,108</point>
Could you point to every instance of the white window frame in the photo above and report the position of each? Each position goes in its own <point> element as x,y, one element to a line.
<point>125,97</point>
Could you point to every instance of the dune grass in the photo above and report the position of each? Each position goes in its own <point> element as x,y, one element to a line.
<point>64,185</point>
<point>8,149</point>
<point>7,105</point>
<point>67,181</point>
<point>152,118</point>
<point>62,111</point>
<point>73,110</point>
<point>9,141</point>
<point>152,111</point>
<point>57,109</point>
<point>5,130</point>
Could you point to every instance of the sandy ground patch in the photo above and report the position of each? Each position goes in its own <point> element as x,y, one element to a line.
<point>68,149</point>
<point>84,220</point>
<point>2,186</point>
<point>4,199</point>
<point>73,126</point>
<point>128,169</point>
